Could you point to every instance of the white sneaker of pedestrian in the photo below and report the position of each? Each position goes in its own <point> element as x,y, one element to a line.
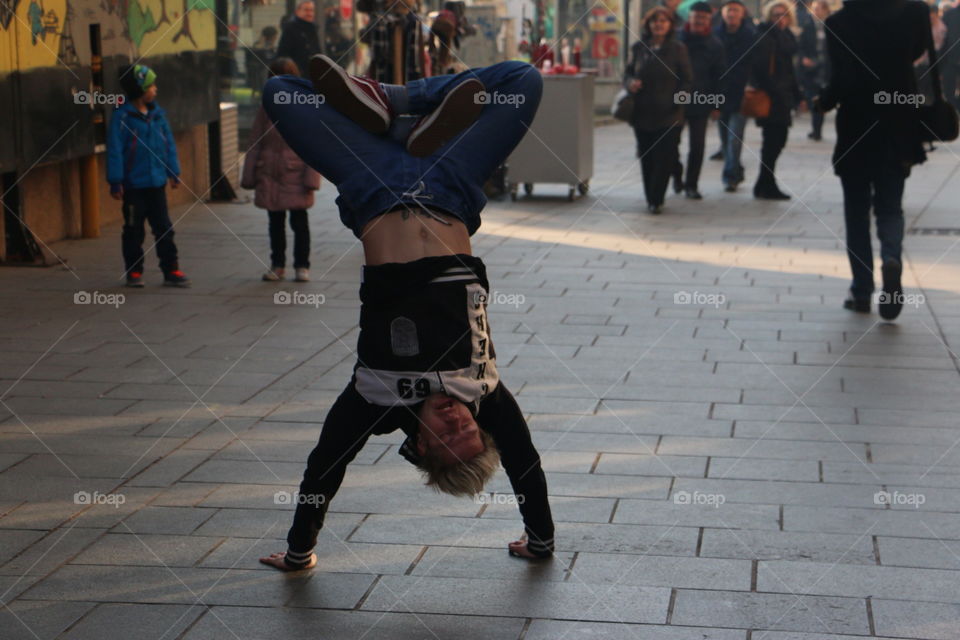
<point>303,275</point>
<point>275,274</point>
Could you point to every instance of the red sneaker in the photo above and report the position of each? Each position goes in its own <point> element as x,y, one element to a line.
<point>176,279</point>
<point>360,99</point>
<point>458,111</point>
<point>135,279</point>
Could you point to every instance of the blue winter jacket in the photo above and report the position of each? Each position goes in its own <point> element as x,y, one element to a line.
<point>141,152</point>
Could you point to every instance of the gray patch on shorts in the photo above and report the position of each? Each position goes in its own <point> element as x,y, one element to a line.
<point>403,337</point>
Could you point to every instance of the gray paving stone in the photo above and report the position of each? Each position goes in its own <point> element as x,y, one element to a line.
<point>662,571</point>
<point>258,623</point>
<point>45,555</point>
<point>916,552</point>
<point>763,611</point>
<point>877,521</point>
<point>607,486</point>
<point>741,447</point>
<point>13,541</point>
<point>594,442</point>
<point>651,465</point>
<point>790,635</point>
<point>248,472</point>
<point>556,629</point>
<point>890,474</point>
<point>145,549</point>
<point>500,597</point>
<point>930,585</point>
<point>562,508</point>
<point>493,533</point>
<point>254,523</point>
<point>172,520</point>
<point>776,492</point>
<point>693,514</point>
<point>187,586</point>
<point>453,562</point>
<point>765,469</point>
<point>156,622</point>
<point>787,545</point>
<point>39,620</point>
<point>927,620</point>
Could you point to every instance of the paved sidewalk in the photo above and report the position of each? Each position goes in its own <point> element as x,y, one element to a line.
<point>731,455</point>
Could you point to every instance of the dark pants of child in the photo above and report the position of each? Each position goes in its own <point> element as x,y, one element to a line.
<point>148,204</point>
<point>278,238</point>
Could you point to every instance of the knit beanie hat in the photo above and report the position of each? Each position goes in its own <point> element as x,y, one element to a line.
<point>136,79</point>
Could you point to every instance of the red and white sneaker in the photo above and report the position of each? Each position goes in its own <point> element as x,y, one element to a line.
<point>458,111</point>
<point>360,99</point>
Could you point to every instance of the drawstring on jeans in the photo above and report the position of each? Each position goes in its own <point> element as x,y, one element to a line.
<point>417,195</point>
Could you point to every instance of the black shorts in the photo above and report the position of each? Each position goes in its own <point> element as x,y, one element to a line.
<point>423,330</point>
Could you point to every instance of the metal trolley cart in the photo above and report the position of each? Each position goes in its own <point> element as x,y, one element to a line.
<point>558,148</point>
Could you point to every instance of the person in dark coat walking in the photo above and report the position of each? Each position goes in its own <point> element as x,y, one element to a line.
<point>300,40</point>
<point>814,62</point>
<point>872,46</point>
<point>951,55</point>
<point>703,102</point>
<point>282,181</point>
<point>737,35</point>
<point>659,69</point>
<point>773,72</point>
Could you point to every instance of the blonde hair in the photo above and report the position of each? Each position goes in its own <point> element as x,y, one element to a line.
<point>462,479</point>
<point>770,6</point>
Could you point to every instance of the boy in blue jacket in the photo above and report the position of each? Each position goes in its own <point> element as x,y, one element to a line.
<point>141,158</point>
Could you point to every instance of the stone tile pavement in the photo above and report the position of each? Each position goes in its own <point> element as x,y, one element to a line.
<point>731,455</point>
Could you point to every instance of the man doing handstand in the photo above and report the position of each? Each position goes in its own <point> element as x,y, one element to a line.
<point>409,163</point>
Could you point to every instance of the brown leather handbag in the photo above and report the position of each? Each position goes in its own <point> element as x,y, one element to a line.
<point>756,102</point>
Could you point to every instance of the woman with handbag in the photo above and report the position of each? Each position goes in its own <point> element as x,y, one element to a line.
<point>773,74</point>
<point>282,181</point>
<point>658,72</point>
<point>880,131</point>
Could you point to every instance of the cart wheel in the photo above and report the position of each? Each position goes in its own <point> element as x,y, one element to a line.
<point>571,194</point>
<point>528,188</point>
<point>583,187</point>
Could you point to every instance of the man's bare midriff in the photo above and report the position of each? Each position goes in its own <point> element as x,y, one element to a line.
<point>405,236</point>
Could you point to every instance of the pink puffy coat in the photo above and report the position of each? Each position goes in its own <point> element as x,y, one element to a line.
<point>281,179</point>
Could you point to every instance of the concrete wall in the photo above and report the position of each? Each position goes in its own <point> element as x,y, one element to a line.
<point>52,197</point>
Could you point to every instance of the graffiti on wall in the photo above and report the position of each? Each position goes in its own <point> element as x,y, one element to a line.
<point>47,33</point>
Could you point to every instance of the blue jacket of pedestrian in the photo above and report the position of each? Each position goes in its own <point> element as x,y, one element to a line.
<point>141,152</point>
<point>738,47</point>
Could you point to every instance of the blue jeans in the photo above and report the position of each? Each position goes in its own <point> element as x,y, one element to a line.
<point>881,187</point>
<point>732,126</point>
<point>375,174</point>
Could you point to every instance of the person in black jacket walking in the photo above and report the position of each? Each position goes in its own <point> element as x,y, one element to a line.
<point>300,40</point>
<point>950,55</point>
<point>872,46</point>
<point>814,63</point>
<point>773,73</point>
<point>703,102</point>
<point>737,34</point>
<point>659,69</point>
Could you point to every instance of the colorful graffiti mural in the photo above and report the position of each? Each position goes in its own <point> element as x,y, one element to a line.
<point>46,33</point>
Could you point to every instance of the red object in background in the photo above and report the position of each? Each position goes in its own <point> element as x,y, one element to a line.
<point>346,9</point>
<point>542,53</point>
<point>605,45</point>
